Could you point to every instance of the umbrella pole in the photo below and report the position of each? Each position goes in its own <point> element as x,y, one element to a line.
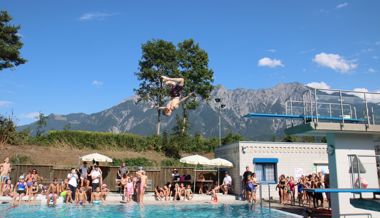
<point>218,176</point>
<point>195,180</point>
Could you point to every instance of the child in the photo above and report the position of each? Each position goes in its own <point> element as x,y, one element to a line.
<point>81,196</point>
<point>159,193</point>
<point>7,188</point>
<point>96,197</point>
<point>188,193</point>
<point>33,192</point>
<point>214,194</point>
<point>69,198</point>
<point>104,191</point>
<point>128,190</point>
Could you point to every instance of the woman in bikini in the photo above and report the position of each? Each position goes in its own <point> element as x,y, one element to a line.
<point>8,188</point>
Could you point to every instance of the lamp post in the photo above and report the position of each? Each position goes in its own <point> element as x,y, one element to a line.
<point>220,106</point>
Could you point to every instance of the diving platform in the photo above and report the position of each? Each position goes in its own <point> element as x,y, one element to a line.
<point>348,120</point>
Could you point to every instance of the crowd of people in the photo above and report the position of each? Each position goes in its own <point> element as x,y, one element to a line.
<point>288,189</point>
<point>81,186</point>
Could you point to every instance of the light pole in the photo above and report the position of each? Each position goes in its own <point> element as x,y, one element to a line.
<point>221,106</point>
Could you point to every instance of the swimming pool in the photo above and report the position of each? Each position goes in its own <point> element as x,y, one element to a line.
<point>147,211</point>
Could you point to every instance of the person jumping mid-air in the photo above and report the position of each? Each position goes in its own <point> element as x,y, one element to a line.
<point>176,88</point>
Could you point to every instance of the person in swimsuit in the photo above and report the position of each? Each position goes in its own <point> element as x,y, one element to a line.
<point>128,190</point>
<point>7,188</point>
<point>20,190</point>
<point>176,88</point>
<point>143,181</point>
<point>29,182</point>
<point>81,196</point>
<point>281,187</point>
<point>33,192</point>
<point>188,193</point>
<point>250,188</point>
<point>5,169</point>
<point>104,191</point>
<point>53,192</point>
<point>291,185</point>
<point>96,196</point>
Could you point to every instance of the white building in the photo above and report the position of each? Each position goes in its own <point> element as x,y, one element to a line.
<point>271,159</point>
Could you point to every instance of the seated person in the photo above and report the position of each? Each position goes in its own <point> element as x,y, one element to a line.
<point>182,190</point>
<point>53,192</point>
<point>7,188</point>
<point>159,193</point>
<point>33,192</point>
<point>188,193</point>
<point>96,196</point>
<point>81,197</point>
<point>175,175</point>
<point>104,191</point>
<point>20,190</point>
<point>227,182</point>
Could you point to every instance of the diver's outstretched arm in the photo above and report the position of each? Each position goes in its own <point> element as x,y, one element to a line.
<point>187,97</point>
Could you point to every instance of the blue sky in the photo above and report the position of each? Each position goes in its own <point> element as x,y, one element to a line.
<point>82,55</point>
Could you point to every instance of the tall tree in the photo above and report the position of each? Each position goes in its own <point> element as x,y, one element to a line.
<point>159,58</point>
<point>10,43</point>
<point>193,67</point>
<point>41,124</point>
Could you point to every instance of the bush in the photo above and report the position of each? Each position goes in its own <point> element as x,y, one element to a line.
<point>20,159</point>
<point>139,161</point>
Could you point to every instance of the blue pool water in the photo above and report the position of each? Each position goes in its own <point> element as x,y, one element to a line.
<point>147,211</point>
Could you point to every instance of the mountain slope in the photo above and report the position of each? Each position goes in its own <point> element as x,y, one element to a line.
<point>141,119</point>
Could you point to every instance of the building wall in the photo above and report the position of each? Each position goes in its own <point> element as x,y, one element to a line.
<point>231,153</point>
<point>293,158</point>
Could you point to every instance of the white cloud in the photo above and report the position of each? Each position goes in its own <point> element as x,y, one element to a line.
<point>371,70</point>
<point>5,103</point>
<point>375,98</point>
<point>335,62</point>
<point>31,115</point>
<point>95,16</point>
<point>268,62</point>
<point>318,85</point>
<point>272,50</point>
<point>97,83</point>
<point>342,5</point>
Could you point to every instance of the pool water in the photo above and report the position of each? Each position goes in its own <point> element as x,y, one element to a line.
<point>155,211</point>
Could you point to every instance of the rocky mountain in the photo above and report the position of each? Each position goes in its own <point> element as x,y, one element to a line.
<point>141,119</point>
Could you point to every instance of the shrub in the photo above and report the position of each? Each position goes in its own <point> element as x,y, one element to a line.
<point>20,159</point>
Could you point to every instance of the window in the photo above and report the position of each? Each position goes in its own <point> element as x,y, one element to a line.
<point>266,170</point>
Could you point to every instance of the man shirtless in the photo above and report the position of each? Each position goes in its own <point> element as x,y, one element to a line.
<point>176,88</point>
<point>5,169</point>
<point>81,196</point>
<point>96,196</point>
<point>53,192</point>
<point>143,181</point>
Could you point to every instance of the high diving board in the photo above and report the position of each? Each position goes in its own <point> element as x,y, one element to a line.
<point>306,117</point>
<point>344,190</point>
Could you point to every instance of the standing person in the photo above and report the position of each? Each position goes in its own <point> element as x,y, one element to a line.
<point>255,184</point>
<point>201,180</point>
<point>96,177</point>
<point>291,185</point>
<point>73,182</point>
<point>83,170</point>
<point>5,169</point>
<point>227,183</point>
<point>327,186</point>
<point>143,182</point>
<point>123,169</point>
<point>244,181</point>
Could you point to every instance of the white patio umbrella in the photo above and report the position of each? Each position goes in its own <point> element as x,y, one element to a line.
<point>220,162</point>
<point>195,160</point>
<point>97,157</point>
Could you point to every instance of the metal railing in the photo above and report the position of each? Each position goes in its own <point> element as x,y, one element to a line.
<point>347,106</point>
<point>355,214</point>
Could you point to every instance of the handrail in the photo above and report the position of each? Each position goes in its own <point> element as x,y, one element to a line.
<point>355,214</point>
